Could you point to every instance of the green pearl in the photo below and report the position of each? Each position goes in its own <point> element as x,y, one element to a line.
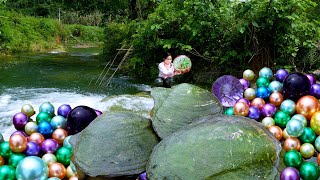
<point>308,135</point>
<point>281,119</point>
<point>309,170</point>
<point>15,158</point>
<point>63,155</point>
<point>5,150</point>
<point>262,82</point>
<point>229,111</point>
<point>43,116</point>
<point>7,172</point>
<point>292,158</point>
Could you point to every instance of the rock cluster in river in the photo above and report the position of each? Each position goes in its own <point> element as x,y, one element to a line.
<point>187,137</point>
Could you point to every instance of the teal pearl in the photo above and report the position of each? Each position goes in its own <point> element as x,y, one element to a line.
<point>308,135</point>
<point>301,118</point>
<point>73,167</point>
<point>275,86</point>
<point>58,122</point>
<point>262,82</point>
<point>294,128</point>
<point>5,150</point>
<point>32,167</point>
<point>292,158</point>
<point>309,170</point>
<point>281,118</point>
<point>15,158</point>
<point>63,155</point>
<point>48,108</point>
<point>266,72</point>
<point>1,138</point>
<point>317,143</point>
<point>288,106</point>
<point>67,144</point>
<point>7,172</point>
<point>229,111</point>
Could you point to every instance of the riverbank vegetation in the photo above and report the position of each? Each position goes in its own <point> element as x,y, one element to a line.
<point>220,37</point>
<point>23,32</point>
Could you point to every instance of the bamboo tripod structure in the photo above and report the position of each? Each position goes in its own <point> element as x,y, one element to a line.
<point>101,79</point>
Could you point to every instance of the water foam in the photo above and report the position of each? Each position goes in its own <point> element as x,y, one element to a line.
<point>12,99</point>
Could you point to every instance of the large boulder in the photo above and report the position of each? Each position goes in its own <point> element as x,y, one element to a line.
<point>115,144</point>
<point>177,106</point>
<point>217,147</point>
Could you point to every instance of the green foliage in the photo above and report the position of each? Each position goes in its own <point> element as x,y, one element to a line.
<point>117,36</point>
<point>73,17</point>
<point>230,34</point>
<point>85,34</point>
<point>19,33</point>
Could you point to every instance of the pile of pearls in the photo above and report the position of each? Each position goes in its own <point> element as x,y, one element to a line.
<point>40,148</point>
<point>287,104</point>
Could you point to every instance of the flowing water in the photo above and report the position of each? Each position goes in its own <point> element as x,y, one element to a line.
<point>59,78</point>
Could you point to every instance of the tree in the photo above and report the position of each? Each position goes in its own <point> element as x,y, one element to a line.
<point>232,34</point>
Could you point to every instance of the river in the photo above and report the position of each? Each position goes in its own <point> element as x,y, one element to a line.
<point>59,78</point>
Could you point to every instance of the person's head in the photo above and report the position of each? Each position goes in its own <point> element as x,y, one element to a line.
<point>167,58</point>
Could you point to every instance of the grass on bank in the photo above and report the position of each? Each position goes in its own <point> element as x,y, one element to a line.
<point>21,34</point>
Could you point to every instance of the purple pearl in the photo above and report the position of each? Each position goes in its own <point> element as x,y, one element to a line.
<point>244,100</point>
<point>143,176</point>
<point>254,113</point>
<point>281,74</point>
<point>315,90</point>
<point>245,83</point>
<point>49,146</point>
<point>268,110</point>
<point>63,110</point>
<point>311,78</point>
<point>98,112</point>
<point>33,149</point>
<point>20,120</point>
<point>290,173</point>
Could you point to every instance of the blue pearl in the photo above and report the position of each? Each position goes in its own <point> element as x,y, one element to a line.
<point>262,92</point>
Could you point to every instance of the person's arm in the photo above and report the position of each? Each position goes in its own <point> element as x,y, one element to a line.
<point>177,72</point>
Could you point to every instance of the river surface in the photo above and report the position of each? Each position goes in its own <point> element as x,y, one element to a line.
<point>72,78</point>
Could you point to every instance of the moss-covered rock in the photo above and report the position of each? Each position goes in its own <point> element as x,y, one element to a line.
<point>217,147</point>
<point>115,144</point>
<point>177,106</point>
